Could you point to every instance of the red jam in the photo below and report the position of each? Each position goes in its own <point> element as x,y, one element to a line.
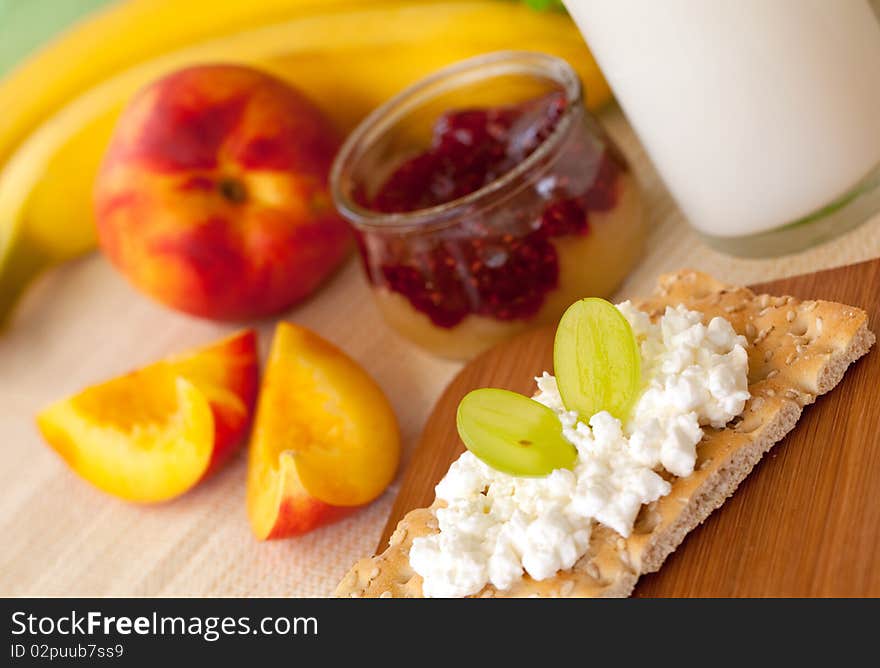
<point>470,149</point>
<point>486,272</point>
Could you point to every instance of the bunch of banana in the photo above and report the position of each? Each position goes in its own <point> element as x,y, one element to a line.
<point>348,55</point>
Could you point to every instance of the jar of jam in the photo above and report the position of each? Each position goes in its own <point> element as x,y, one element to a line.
<point>485,200</point>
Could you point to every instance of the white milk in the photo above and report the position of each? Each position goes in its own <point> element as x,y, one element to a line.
<point>755,112</point>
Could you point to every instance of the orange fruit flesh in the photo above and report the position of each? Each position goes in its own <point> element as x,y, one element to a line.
<point>209,373</point>
<point>324,434</point>
<point>146,436</point>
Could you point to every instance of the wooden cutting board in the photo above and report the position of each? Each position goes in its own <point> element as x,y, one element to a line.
<point>806,522</point>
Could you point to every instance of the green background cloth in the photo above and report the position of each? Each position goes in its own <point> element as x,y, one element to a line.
<point>27,24</point>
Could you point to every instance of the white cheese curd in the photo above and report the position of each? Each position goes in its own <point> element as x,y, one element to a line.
<point>495,527</point>
<point>696,375</point>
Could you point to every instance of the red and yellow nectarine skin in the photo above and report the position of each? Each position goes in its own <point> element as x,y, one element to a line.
<point>213,196</point>
<point>227,373</point>
<point>325,439</point>
<point>154,433</point>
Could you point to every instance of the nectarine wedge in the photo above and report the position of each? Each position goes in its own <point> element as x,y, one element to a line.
<point>154,433</point>
<point>325,438</point>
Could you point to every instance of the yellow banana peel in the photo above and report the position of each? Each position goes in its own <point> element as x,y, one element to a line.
<point>122,35</point>
<point>348,62</point>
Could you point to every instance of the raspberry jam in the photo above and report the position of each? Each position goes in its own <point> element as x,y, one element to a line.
<point>507,275</point>
<point>477,222</point>
<point>470,149</point>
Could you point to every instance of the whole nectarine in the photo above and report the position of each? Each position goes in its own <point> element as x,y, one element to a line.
<point>212,197</point>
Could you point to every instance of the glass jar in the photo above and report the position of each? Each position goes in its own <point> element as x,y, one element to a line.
<point>560,220</point>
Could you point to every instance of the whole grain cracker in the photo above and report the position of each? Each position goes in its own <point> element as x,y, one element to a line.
<point>797,351</point>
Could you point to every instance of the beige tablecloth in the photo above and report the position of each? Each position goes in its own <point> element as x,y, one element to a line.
<point>83,323</point>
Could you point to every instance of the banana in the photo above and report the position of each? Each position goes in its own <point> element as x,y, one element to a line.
<point>346,61</point>
<point>123,35</point>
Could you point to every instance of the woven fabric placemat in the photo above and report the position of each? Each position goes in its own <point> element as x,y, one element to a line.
<point>82,323</point>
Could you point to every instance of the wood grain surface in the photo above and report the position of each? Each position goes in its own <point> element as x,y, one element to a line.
<point>806,522</point>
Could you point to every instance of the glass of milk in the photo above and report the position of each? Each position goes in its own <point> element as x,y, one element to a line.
<point>762,116</point>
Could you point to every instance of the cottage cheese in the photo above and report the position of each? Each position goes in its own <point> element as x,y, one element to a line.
<point>495,527</point>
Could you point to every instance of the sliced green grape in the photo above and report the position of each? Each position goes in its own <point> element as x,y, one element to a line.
<point>513,434</point>
<point>596,360</point>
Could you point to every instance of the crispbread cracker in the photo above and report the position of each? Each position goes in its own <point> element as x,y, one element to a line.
<point>797,351</point>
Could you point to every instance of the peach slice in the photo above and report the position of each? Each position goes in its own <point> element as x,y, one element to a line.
<point>154,433</point>
<point>325,438</point>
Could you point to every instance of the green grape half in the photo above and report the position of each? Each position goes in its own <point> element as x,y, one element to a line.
<point>513,434</point>
<point>596,360</point>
